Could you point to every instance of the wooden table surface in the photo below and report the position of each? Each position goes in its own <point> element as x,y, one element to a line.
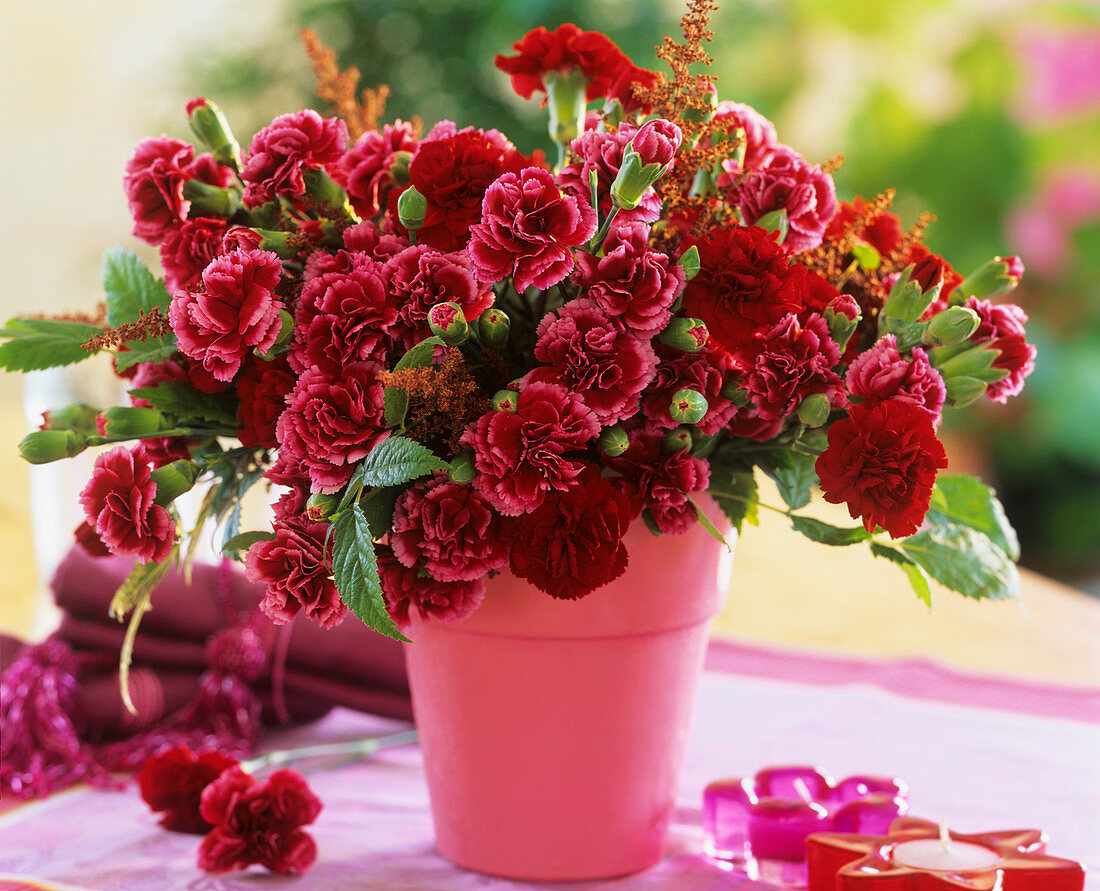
<point>785,590</point>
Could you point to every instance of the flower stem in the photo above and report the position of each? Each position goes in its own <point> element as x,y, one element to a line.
<point>604,228</point>
<point>742,498</point>
<point>358,748</point>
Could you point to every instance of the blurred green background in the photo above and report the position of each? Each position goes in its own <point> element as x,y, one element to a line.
<point>983,112</point>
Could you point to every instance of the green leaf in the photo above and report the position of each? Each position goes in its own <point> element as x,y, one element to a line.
<point>186,404</point>
<point>775,221</point>
<point>964,560</point>
<point>34,344</point>
<point>244,541</point>
<point>826,533</point>
<point>712,530</point>
<point>355,569</point>
<point>378,506</point>
<point>395,401</point>
<point>130,287</point>
<point>397,460</point>
<point>138,585</point>
<point>735,494</point>
<point>866,255</point>
<point>964,501</point>
<point>918,579</point>
<point>156,349</point>
<point>793,472</point>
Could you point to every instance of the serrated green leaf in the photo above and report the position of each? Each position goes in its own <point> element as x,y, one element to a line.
<point>355,569</point>
<point>963,560</point>
<point>918,579</point>
<point>828,534</point>
<point>959,500</point>
<point>398,460</point>
<point>244,541</point>
<point>711,529</point>
<point>735,493</point>
<point>395,401</point>
<point>378,507</point>
<point>155,349</point>
<point>184,404</point>
<point>793,472</point>
<point>129,287</point>
<point>35,344</point>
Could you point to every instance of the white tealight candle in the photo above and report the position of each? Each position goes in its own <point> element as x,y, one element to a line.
<point>955,856</point>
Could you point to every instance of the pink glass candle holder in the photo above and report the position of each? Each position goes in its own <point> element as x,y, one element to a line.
<point>759,824</point>
<point>916,855</point>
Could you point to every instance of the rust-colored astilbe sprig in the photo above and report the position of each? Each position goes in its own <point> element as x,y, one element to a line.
<point>443,400</point>
<point>147,326</point>
<point>338,88</point>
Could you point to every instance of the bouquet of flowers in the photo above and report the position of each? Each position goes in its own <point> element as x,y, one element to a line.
<point>454,359</point>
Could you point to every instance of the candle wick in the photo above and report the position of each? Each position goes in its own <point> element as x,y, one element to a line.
<point>945,837</point>
<point>803,790</point>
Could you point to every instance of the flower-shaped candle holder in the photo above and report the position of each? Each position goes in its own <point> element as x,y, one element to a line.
<point>760,824</point>
<point>916,855</point>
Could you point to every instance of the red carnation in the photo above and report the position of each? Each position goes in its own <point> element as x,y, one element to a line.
<point>788,183</point>
<point>448,529</point>
<point>262,391</point>
<point>365,169</point>
<point>280,152</point>
<point>882,231</point>
<point>930,270</point>
<point>625,87</point>
<point>171,783</point>
<point>589,355</point>
<point>118,501</point>
<point>883,373</point>
<point>259,821</point>
<point>744,285</point>
<point>760,138</point>
<point>297,575</point>
<point>528,229</point>
<point>520,456</point>
<point>405,589</point>
<point>572,544</point>
<point>1002,326</point>
<point>793,360</point>
<point>882,461</point>
<point>633,285</point>
<point>235,313</point>
<point>154,186</point>
<point>187,250</point>
<point>419,277</point>
<point>332,422</point>
<point>603,152</point>
<point>452,172</point>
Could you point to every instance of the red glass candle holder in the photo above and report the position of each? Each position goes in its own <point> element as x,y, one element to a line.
<point>759,824</point>
<point>916,855</point>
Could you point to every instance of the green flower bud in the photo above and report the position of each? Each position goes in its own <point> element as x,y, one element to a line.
<point>905,304</point>
<point>505,400</point>
<point>412,208</point>
<point>689,260</point>
<point>448,323</point>
<point>992,279</point>
<point>961,391</point>
<point>173,480</point>
<point>462,467</point>
<point>124,422</point>
<point>676,440</point>
<point>734,391</point>
<point>320,506</point>
<point>277,242</point>
<point>44,446</point>
<point>77,416</point>
<point>565,100</point>
<point>325,189</point>
<point>633,179</point>
<point>954,325</point>
<point>399,169</point>
<point>976,362</point>
<point>211,201</point>
<point>493,326</point>
<point>210,125</point>
<point>613,441</point>
<point>689,335</point>
<point>814,410</point>
<point>866,255</point>
<point>688,406</point>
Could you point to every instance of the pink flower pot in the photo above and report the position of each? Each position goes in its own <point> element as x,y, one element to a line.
<point>554,731</point>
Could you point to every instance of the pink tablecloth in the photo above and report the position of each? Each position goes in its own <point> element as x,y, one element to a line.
<point>983,754</point>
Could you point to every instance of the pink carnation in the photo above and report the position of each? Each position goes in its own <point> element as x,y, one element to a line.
<point>787,182</point>
<point>528,229</point>
<point>365,169</point>
<point>187,250</point>
<point>405,589</point>
<point>522,455</point>
<point>448,530</point>
<point>154,186</point>
<point>633,285</point>
<point>235,313</point>
<point>657,142</point>
<point>793,360</point>
<point>118,502</point>
<point>332,422</point>
<point>587,354</point>
<point>760,138</point>
<point>1002,326</point>
<point>280,152</point>
<point>603,152</point>
<point>296,573</point>
<point>883,373</point>
<point>420,277</point>
<point>662,482</point>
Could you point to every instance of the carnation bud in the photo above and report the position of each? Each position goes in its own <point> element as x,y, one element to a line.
<point>814,410</point>
<point>905,304</point>
<point>613,441</point>
<point>210,125</point>
<point>44,446</point>
<point>734,391</point>
<point>493,327</point>
<point>689,260</point>
<point>688,406</point>
<point>505,400</point>
<point>211,201</point>
<point>173,480</point>
<point>646,158</point>
<point>676,440</point>
<point>842,316</point>
<point>954,325</point>
<point>399,169</point>
<point>279,243</point>
<point>992,279</point>
<point>688,335</point>
<point>448,323</point>
<point>76,416</point>
<point>325,189</point>
<point>961,391</point>
<point>565,100</point>
<point>321,506</point>
<point>462,467</point>
<point>775,221</point>
<point>124,422</point>
<point>412,208</point>
<point>976,361</point>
